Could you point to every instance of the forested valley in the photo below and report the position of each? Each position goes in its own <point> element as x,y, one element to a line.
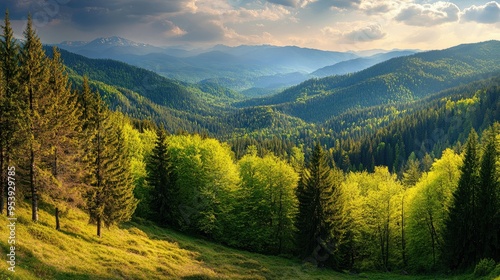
<point>406,182</point>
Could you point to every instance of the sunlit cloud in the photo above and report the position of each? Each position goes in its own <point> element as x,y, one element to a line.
<point>429,14</point>
<point>488,13</point>
<point>326,24</point>
<point>364,34</point>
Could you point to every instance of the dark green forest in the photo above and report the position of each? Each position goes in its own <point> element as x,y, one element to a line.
<point>394,168</point>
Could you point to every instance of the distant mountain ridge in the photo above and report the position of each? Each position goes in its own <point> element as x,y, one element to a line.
<point>314,106</point>
<point>245,67</point>
<point>358,64</point>
<point>400,79</point>
<point>253,70</point>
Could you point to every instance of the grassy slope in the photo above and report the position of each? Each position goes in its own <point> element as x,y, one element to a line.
<point>139,251</point>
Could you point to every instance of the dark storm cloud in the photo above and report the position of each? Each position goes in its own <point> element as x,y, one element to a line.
<point>19,9</point>
<point>88,14</point>
<point>93,13</point>
<point>199,28</point>
<point>131,7</point>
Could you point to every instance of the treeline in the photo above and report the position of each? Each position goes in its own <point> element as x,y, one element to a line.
<point>424,221</point>
<point>66,146</point>
<point>388,135</point>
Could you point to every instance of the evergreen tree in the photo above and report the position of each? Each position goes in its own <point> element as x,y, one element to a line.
<point>10,114</point>
<point>87,104</point>
<point>160,178</point>
<point>460,249</point>
<point>488,196</point>
<point>320,221</point>
<point>412,173</point>
<point>110,197</point>
<point>63,156</point>
<point>34,80</point>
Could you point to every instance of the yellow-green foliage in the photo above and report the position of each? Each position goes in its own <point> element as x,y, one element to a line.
<point>138,250</point>
<point>428,204</point>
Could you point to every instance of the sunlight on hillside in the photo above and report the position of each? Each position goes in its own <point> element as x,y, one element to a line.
<point>132,251</point>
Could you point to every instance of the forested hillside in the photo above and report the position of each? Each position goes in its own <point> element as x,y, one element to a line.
<point>411,186</point>
<point>398,80</point>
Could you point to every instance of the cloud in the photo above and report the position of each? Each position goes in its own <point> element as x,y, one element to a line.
<point>429,14</point>
<point>488,13</point>
<point>325,5</point>
<point>377,7</point>
<point>365,34</point>
<point>287,3</point>
<point>291,3</point>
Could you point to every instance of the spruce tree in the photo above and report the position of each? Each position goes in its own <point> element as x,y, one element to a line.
<point>87,105</point>
<point>10,114</point>
<point>62,158</point>
<point>488,196</point>
<point>160,178</point>
<point>321,221</point>
<point>34,80</point>
<point>460,248</point>
<point>110,197</point>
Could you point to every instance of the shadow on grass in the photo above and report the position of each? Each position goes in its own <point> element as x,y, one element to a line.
<point>198,277</point>
<point>78,236</point>
<point>25,260</point>
<point>216,256</point>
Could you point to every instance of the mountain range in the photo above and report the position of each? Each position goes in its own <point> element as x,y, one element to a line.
<point>253,70</point>
<point>313,105</point>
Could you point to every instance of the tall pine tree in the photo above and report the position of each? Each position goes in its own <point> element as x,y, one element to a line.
<point>110,198</point>
<point>10,114</point>
<point>34,81</point>
<point>488,196</point>
<point>320,221</point>
<point>63,150</point>
<point>460,249</point>
<point>160,178</point>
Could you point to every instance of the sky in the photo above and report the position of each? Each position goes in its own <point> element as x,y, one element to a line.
<point>336,25</point>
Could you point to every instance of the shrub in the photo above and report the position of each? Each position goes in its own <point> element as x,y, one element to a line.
<point>484,267</point>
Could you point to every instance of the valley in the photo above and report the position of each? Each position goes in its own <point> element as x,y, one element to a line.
<point>251,162</point>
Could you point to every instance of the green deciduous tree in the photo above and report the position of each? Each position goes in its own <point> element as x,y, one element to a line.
<point>428,204</point>
<point>206,177</point>
<point>266,204</point>
<point>375,206</point>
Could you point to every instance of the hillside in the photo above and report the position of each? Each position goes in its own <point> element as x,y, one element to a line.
<point>357,64</point>
<point>180,106</point>
<point>143,94</point>
<point>141,250</point>
<point>245,65</point>
<point>400,79</point>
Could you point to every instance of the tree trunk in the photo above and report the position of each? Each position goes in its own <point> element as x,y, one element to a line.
<point>99,227</point>
<point>57,219</point>
<point>403,240</point>
<point>34,194</point>
<point>3,180</point>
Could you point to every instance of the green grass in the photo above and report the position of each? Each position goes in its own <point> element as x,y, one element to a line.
<point>141,250</point>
